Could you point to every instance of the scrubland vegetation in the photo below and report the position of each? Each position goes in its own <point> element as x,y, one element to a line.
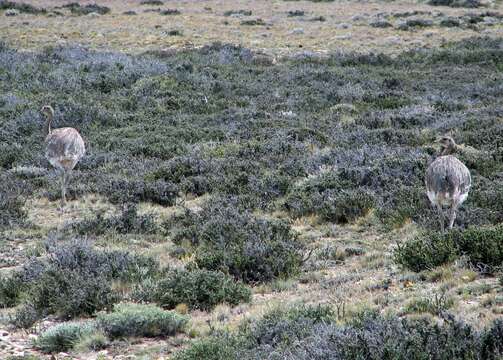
<point>223,189</point>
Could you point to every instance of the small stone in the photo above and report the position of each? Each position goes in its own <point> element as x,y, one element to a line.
<point>343,26</point>
<point>490,20</point>
<point>343,37</point>
<point>297,31</point>
<point>93,15</point>
<point>428,34</point>
<point>381,24</point>
<point>393,40</point>
<point>357,18</point>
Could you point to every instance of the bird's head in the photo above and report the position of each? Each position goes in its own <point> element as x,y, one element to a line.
<point>447,144</point>
<point>47,110</point>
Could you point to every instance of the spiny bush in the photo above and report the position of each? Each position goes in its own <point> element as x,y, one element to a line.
<point>71,293</point>
<point>483,246</point>
<point>21,7</point>
<point>228,238</point>
<point>12,199</point>
<point>346,206</point>
<point>128,222</point>
<point>426,251</point>
<point>307,335</point>
<point>140,320</point>
<point>456,3</point>
<point>64,337</point>
<point>77,9</point>
<point>76,279</point>
<point>10,291</point>
<point>199,289</point>
<point>151,2</point>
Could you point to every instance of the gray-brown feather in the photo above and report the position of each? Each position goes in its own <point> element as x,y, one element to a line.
<point>64,148</point>
<point>448,181</point>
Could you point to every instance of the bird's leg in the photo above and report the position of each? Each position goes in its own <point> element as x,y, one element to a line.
<point>452,215</point>
<point>441,217</point>
<point>63,188</point>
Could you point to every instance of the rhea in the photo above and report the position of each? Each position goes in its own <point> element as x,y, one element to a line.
<point>64,148</point>
<point>448,181</point>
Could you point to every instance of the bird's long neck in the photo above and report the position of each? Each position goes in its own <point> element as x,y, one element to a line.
<point>448,150</point>
<point>48,122</point>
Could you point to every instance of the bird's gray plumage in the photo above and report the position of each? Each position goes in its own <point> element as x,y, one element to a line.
<point>447,181</point>
<point>64,148</point>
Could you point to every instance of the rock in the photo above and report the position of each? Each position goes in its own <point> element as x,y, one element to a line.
<point>130,12</point>
<point>297,31</point>
<point>490,20</point>
<point>93,15</point>
<point>357,18</point>
<point>343,37</point>
<point>343,26</point>
<point>393,40</point>
<point>402,25</point>
<point>450,22</point>
<point>381,24</point>
<point>11,12</point>
<point>428,34</point>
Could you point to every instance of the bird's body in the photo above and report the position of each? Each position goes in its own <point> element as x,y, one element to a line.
<point>64,148</point>
<point>448,182</point>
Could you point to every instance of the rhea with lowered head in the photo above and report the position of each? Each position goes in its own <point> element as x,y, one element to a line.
<point>448,181</point>
<point>64,148</point>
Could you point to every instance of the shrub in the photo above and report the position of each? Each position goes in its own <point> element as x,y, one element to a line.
<point>482,245</point>
<point>233,241</point>
<point>10,291</point>
<point>199,289</point>
<point>140,320</point>
<point>426,251</point>
<point>346,206</point>
<point>77,9</point>
<point>12,200</point>
<point>64,337</point>
<point>152,2</point>
<point>76,279</point>
<point>456,3</point>
<point>21,7</point>
<point>71,293</point>
<point>308,334</point>
<point>128,222</point>
<point>25,316</point>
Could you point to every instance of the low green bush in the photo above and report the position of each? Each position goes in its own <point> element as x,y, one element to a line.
<point>229,239</point>
<point>140,320</point>
<point>346,206</point>
<point>308,333</point>
<point>74,279</point>
<point>129,221</point>
<point>10,291</point>
<point>64,337</point>
<point>457,3</point>
<point>426,251</point>
<point>199,289</point>
<point>483,246</point>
